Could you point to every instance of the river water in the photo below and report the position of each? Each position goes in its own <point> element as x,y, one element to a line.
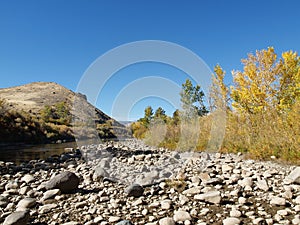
<point>18,153</point>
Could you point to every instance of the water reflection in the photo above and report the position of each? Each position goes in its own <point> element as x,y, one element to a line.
<point>20,153</point>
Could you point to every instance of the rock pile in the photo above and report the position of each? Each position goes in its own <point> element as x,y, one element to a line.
<point>127,183</point>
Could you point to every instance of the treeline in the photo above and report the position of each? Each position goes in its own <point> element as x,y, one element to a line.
<point>261,108</point>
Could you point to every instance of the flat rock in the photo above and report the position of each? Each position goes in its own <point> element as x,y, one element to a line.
<point>192,191</point>
<point>17,218</point>
<point>50,194</point>
<point>277,201</point>
<point>211,197</point>
<point>226,168</point>
<point>65,181</point>
<point>124,222</point>
<point>27,178</point>
<point>113,219</point>
<point>294,176</point>
<point>26,203</point>
<point>231,221</point>
<point>47,208</point>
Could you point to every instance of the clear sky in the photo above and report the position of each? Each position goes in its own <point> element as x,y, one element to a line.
<point>54,40</point>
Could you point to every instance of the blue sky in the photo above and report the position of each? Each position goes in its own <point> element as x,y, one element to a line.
<point>58,40</point>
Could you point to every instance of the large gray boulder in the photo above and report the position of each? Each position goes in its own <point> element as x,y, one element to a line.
<point>66,182</point>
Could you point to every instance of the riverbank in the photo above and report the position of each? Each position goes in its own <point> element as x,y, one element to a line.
<point>171,188</point>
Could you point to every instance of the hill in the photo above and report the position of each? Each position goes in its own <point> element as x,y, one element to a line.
<point>48,112</point>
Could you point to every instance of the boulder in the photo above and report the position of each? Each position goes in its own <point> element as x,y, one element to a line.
<point>135,190</point>
<point>66,182</point>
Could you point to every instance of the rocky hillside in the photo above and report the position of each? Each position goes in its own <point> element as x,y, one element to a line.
<point>44,111</point>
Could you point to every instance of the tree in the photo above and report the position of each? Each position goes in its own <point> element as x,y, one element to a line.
<point>160,113</point>
<point>289,72</point>
<point>176,117</point>
<point>191,98</point>
<point>148,115</point>
<point>255,88</point>
<point>219,94</point>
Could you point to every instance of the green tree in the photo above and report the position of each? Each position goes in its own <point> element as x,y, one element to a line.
<point>191,98</point>
<point>148,115</point>
<point>160,113</point>
<point>176,117</point>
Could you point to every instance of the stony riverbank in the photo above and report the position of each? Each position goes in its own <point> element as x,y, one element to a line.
<point>169,188</point>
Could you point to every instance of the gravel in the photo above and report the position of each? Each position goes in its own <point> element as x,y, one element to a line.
<point>128,182</point>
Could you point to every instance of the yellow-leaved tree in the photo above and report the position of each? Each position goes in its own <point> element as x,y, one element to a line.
<point>289,81</point>
<point>254,88</point>
<point>265,102</point>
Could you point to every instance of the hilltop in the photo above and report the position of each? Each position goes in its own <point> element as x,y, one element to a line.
<point>45,112</point>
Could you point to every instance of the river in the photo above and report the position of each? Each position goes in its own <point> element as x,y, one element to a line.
<point>18,153</point>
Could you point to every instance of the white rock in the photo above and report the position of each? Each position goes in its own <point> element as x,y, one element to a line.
<point>242,200</point>
<point>27,178</point>
<point>71,223</point>
<point>181,216</point>
<point>247,181</point>
<point>98,219</point>
<point>277,201</point>
<point>192,191</point>
<point>50,194</point>
<point>296,220</point>
<point>269,221</point>
<point>297,200</point>
<point>166,204</point>
<point>24,190</point>
<point>26,203</point>
<point>231,221</point>
<point>235,213</point>
<point>282,212</point>
<point>166,221</point>
<point>262,184</point>
<point>211,197</point>
<point>114,219</point>
<point>226,168</point>
<point>294,176</point>
<point>257,221</point>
